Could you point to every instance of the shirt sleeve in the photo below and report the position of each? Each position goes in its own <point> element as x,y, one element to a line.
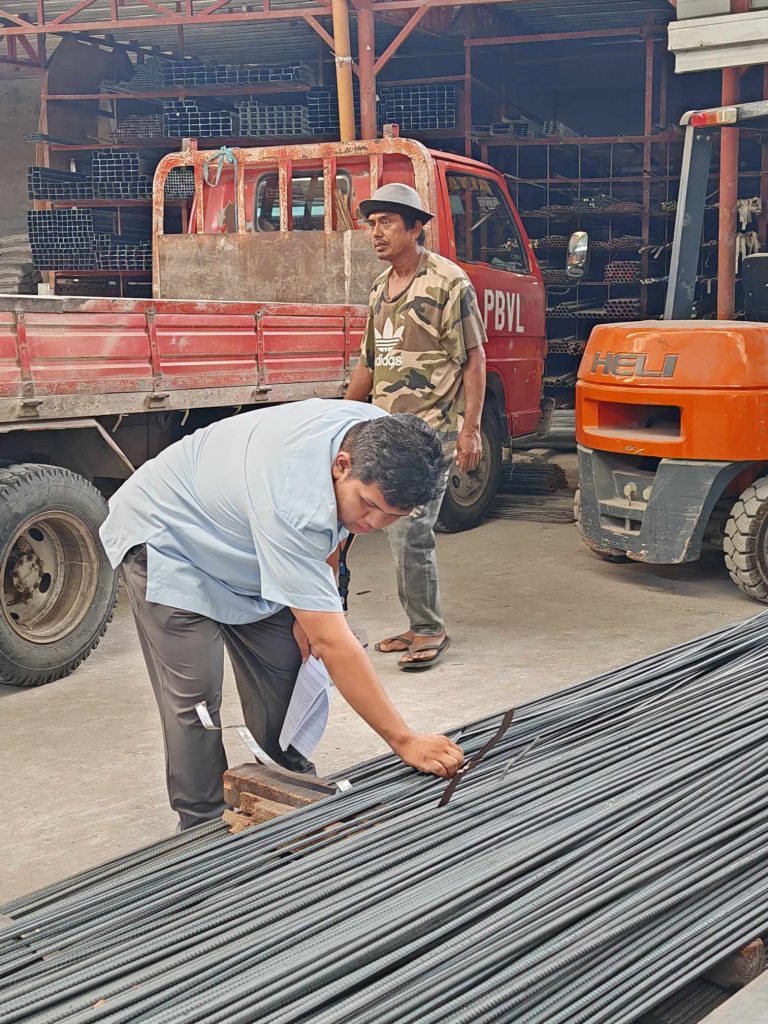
<point>462,325</point>
<point>292,563</point>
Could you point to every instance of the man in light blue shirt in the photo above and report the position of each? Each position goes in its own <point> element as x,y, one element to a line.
<point>227,539</point>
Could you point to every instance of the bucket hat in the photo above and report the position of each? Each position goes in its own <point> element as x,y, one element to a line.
<point>395,198</point>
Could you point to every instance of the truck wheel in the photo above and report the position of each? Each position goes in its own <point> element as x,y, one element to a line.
<point>608,554</point>
<point>58,588</point>
<point>469,494</point>
<point>745,544</point>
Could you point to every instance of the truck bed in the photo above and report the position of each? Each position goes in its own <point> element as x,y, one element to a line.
<point>69,357</point>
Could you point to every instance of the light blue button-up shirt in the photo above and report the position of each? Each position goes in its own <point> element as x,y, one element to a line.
<point>240,517</point>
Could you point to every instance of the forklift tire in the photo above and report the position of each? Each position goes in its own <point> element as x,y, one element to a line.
<point>468,495</point>
<point>612,554</point>
<point>58,588</point>
<point>745,544</point>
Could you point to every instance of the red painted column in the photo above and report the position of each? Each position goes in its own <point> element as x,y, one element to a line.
<point>366,48</point>
<point>763,218</point>
<point>729,193</point>
<point>343,58</point>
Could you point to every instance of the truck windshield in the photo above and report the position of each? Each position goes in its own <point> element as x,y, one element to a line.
<point>484,226</point>
<point>308,204</point>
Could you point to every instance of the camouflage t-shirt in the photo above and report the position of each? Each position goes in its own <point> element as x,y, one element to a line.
<point>416,344</point>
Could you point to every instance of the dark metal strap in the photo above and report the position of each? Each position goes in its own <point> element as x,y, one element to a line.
<point>345,575</point>
<point>450,789</point>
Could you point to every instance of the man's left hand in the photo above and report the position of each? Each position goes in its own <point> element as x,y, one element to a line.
<point>302,640</point>
<point>469,449</point>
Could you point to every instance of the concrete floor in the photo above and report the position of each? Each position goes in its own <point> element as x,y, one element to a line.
<point>529,610</point>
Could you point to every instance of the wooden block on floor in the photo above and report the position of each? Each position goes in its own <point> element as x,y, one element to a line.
<point>259,809</point>
<point>741,967</point>
<point>276,784</point>
<point>237,822</point>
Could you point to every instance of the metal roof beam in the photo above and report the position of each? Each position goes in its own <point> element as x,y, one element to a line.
<point>400,38</point>
<point>556,37</point>
<point>63,22</point>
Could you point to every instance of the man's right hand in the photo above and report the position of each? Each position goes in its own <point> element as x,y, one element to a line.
<point>431,753</point>
<point>351,670</point>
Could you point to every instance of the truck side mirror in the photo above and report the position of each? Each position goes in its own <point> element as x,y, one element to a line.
<point>577,257</point>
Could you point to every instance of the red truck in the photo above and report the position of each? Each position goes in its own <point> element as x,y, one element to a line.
<point>262,299</point>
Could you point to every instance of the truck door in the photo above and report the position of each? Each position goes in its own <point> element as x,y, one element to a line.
<point>485,237</point>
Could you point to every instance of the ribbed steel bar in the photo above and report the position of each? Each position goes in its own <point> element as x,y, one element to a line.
<point>609,848</point>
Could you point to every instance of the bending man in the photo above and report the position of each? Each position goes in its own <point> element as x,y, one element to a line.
<point>225,541</point>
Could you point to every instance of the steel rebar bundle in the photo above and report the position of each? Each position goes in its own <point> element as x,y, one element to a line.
<point>537,508</point>
<point>607,850</point>
<point>521,477</point>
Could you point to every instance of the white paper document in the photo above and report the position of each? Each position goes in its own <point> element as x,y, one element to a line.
<point>307,714</point>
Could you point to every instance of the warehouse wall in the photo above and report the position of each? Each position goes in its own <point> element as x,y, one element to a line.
<point>19,111</point>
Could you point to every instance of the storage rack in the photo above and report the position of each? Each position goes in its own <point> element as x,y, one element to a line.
<point>167,100</point>
<point>628,206</point>
<point>163,101</point>
<point>601,185</point>
<point>97,222</point>
<point>551,165</point>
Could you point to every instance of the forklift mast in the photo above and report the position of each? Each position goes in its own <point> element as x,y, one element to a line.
<point>694,178</point>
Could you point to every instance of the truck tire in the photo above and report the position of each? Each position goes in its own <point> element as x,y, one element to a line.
<point>469,494</point>
<point>745,545</point>
<point>58,588</point>
<point>609,555</point>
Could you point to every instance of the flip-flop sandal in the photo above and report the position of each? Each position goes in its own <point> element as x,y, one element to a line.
<point>421,664</point>
<point>390,640</point>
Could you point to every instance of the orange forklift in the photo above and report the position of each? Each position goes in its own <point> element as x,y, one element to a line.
<point>672,415</point>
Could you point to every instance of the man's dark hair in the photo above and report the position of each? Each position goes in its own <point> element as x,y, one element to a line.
<point>401,454</point>
<point>410,219</point>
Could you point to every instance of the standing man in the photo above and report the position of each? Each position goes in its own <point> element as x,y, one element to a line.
<point>422,353</point>
<point>225,541</point>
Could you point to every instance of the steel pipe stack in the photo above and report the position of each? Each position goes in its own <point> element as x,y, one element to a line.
<point>191,118</point>
<point>180,183</point>
<point>622,309</point>
<point>138,126</point>
<point>571,346</point>
<point>323,110</point>
<point>418,107</point>
<point>622,272</point>
<point>265,119</point>
<point>117,174</point>
<point>610,847</point>
<point>626,243</point>
<point>48,183</point>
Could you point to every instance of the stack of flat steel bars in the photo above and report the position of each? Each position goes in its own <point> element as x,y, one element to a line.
<point>609,848</point>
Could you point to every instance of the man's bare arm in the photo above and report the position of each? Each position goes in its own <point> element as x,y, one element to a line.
<point>361,383</point>
<point>356,680</point>
<point>469,447</point>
